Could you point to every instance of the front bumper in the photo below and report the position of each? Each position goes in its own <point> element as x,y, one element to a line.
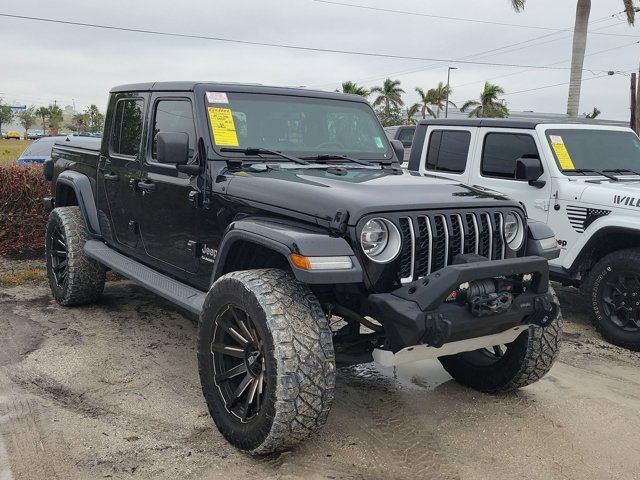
<point>417,313</point>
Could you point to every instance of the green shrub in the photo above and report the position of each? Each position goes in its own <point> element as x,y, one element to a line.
<point>22,217</point>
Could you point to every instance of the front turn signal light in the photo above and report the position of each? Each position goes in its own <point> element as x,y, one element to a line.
<point>321,263</point>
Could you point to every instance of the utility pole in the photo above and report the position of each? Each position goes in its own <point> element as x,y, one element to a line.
<point>446,104</point>
<point>636,126</point>
<point>632,121</point>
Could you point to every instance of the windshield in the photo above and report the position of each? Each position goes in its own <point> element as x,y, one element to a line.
<point>38,148</point>
<point>595,149</point>
<point>300,125</point>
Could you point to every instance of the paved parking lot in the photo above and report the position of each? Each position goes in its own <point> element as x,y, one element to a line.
<point>111,391</point>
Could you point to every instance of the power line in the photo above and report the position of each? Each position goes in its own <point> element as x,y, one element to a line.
<point>557,84</point>
<point>520,46</point>
<point>458,19</point>
<point>274,45</point>
<point>550,64</point>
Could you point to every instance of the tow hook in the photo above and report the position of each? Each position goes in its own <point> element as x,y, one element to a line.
<point>544,311</point>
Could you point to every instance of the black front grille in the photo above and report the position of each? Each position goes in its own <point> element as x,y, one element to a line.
<point>430,241</point>
<point>407,248</point>
<point>423,247</point>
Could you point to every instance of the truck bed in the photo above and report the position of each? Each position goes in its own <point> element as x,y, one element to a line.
<point>92,145</point>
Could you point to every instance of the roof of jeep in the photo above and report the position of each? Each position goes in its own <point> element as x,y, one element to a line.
<point>189,86</point>
<point>520,122</point>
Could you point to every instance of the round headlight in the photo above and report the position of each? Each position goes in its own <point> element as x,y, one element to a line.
<point>513,230</point>
<point>380,240</point>
<point>374,237</point>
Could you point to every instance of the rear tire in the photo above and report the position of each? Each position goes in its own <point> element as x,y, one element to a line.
<point>74,278</point>
<point>524,361</point>
<point>266,360</point>
<point>613,287</point>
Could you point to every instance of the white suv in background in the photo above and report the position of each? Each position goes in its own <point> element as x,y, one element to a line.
<point>582,179</point>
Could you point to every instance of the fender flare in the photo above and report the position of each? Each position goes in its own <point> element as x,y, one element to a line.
<point>81,185</point>
<point>286,238</point>
<point>596,237</point>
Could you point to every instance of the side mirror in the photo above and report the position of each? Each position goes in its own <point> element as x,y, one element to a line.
<point>398,149</point>
<point>172,147</point>
<point>530,169</point>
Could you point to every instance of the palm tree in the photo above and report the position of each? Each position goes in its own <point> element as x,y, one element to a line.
<point>425,101</point>
<point>437,97</point>
<point>411,112</point>
<point>354,89</point>
<point>489,105</point>
<point>594,113</point>
<point>55,117</point>
<point>43,113</point>
<point>583,9</point>
<point>390,96</point>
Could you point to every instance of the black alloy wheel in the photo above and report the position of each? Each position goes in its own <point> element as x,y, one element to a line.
<point>238,361</point>
<point>58,253</point>
<point>621,300</point>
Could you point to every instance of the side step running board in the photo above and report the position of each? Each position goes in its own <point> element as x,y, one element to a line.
<point>183,295</point>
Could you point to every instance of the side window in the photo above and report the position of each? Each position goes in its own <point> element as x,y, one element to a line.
<point>406,136</point>
<point>127,127</point>
<point>448,150</point>
<point>174,116</point>
<point>501,150</point>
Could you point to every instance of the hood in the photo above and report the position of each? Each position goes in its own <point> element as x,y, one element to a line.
<point>623,194</point>
<point>359,191</point>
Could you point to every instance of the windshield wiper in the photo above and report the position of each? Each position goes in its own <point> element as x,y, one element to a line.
<point>621,170</point>
<point>262,151</point>
<point>589,170</point>
<point>333,156</point>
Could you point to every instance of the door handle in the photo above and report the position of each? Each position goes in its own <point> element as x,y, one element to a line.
<point>147,187</point>
<point>111,177</point>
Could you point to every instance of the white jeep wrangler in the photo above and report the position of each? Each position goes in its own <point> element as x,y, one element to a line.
<point>582,179</point>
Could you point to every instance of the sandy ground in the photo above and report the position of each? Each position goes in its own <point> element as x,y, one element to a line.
<point>111,391</point>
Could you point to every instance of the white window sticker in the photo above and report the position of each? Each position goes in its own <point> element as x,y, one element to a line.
<point>217,97</point>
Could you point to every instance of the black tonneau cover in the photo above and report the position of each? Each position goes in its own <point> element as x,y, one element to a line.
<point>92,145</point>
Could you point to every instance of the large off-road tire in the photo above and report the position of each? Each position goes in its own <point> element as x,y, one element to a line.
<point>74,278</point>
<point>266,360</point>
<point>613,288</point>
<point>508,367</point>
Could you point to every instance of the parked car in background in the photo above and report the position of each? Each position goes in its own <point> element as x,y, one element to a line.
<point>39,151</point>
<point>33,134</point>
<point>12,135</point>
<point>404,133</point>
<point>582,178</point>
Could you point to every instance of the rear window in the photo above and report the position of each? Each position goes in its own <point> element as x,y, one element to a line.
<point>38,148</point>
<point>502,150</point>
<point>406,136</point>
<point>127,127</point>
<point>448,150</point>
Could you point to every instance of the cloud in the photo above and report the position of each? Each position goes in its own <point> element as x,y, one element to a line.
<point>44,62</point>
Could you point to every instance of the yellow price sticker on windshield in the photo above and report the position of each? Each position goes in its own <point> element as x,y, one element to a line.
<point>224,130</point>
<point>562,154</point>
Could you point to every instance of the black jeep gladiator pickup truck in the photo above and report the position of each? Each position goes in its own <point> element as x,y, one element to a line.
<point>282,219</point>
